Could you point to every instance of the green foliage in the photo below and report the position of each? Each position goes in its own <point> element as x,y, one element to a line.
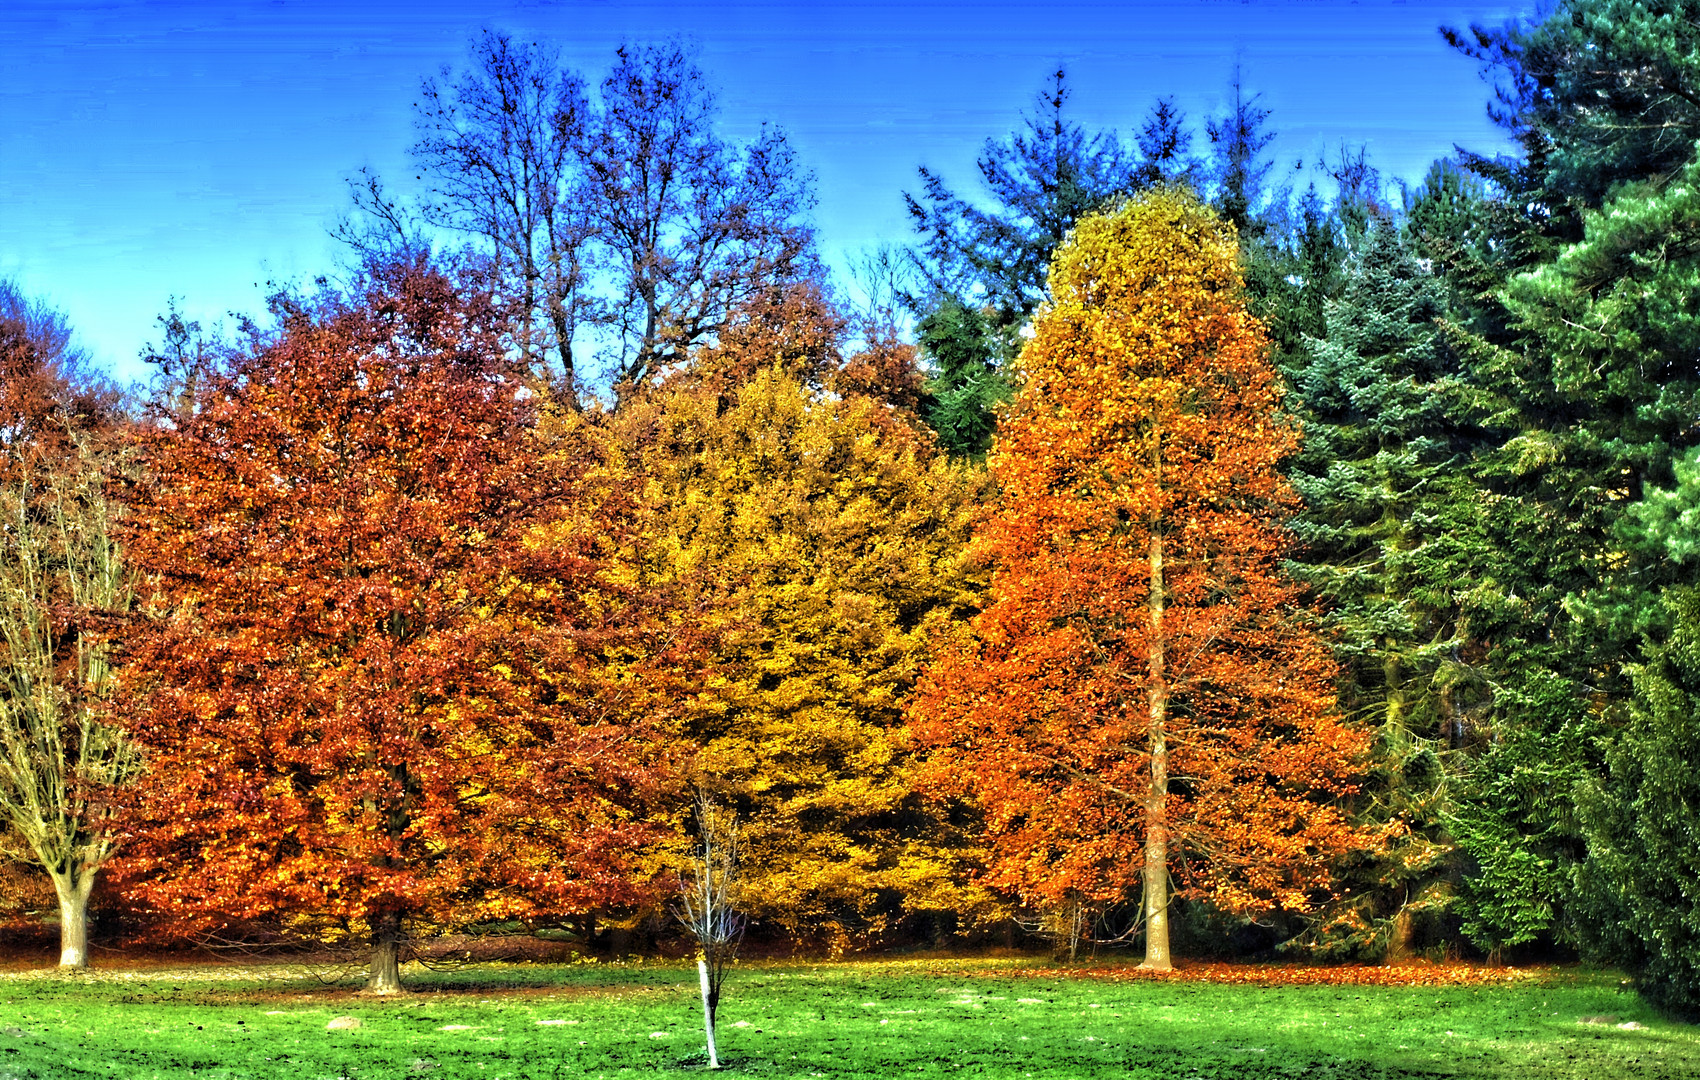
<point>1641,819</point>
<point>1446,221</point>
<point>1618,330</point>
<point>1517,822</point>
<point>1599,92</point>
<point>1040,180</point>
<point>1666,523</point>
<point>1572,274</point>
<point>1238,168</point>
<point>1376,398</point>
<point>983,269</point>
<point>966,385</point>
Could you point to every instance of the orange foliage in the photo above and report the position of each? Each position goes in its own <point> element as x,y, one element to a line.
<point>1412,974</point>
<point>1143,699</point>
<point>47,397</point>
<point>377,690</point>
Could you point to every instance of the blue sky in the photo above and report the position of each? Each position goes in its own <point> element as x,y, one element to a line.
<point>201,149</point>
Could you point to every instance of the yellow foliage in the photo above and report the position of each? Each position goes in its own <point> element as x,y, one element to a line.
<point>823,546</point>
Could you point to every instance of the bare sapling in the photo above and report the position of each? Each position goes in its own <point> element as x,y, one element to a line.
<point>708,897</point>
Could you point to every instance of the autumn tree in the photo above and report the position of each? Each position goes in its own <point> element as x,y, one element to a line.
<point>389,682</point>
<point>62,582</point>
<point>50,394</point>
<point>821,534</point>
<point>1143,698</point>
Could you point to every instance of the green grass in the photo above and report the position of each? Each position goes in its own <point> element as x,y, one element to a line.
<point>872,1020</point>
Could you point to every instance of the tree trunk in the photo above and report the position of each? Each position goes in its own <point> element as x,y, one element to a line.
<point>1394,729</point>
<point>73,891</point>
<point>1156,796</point>
<point>1400,937</point>
<point>708,1009</point>
<point>384,975</point>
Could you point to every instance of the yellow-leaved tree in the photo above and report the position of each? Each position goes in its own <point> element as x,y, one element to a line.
<point>822,537</point>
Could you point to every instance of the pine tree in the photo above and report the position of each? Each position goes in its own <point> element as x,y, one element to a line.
<point>1239,171</point>
<point>1571,281</point>
<point>1641,818</point>
<point>1141,697</point>
<point>983,267</point>
<point>1376,398</point>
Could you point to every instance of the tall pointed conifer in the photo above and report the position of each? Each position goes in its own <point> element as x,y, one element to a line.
<point>1143,700</point>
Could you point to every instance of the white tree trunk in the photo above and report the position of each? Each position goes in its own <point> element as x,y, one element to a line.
<point>73,891</point>
<point>708,1014</point>
<point>384,974</point>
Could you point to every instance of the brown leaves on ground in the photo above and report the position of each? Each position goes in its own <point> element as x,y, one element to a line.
<point>1413,974</point>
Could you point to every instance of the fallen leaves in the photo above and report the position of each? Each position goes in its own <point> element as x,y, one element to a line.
<point>1284,974</point>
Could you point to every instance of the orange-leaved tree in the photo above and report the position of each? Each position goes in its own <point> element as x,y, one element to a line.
<point>391,681</point>
<point>1143,697</point>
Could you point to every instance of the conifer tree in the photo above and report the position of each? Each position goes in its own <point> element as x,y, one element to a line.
<point>1571,285</point>
<point>1141,698</point>
<point>1378,397</point>
<point>982,268</point>
<point>1641,817</point>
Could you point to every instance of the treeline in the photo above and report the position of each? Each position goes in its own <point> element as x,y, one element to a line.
<point>1157,552</point>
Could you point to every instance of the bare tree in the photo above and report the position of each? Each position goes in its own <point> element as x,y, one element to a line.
<point>60,570</point>
<point>628,216</point>
<point>501,144</point>
<point>690,226</point>
<point>708,899</point>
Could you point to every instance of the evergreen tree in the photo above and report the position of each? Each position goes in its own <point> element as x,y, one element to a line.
<point>1598,93</point>
<point>1165,148</point>
<point>1377,398</point>
<point>982,268</point>
<point>1572,280</point>
<point>1642,816</point>
<point>967,384</point>
<point>1239,171</point>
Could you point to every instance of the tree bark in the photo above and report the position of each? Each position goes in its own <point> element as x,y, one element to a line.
<point>1401,937</point>
<point>384,975</point>
<point>1394,728</point>
<point>709,1006</point>
<point>73,891</point>
<point>1156,796</point>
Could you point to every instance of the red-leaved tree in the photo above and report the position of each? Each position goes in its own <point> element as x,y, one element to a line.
<point>391,679</point>
<point>1142,698</point>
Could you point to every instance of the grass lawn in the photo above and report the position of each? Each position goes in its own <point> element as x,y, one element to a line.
<point>942,1018</point>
